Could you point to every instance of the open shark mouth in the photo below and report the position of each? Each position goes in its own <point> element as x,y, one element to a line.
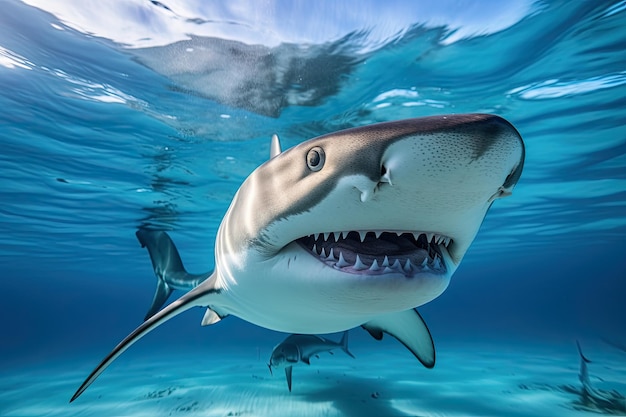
<point>378,253</point>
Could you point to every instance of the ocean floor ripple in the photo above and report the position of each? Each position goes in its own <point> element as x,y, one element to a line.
<point>469,380</point>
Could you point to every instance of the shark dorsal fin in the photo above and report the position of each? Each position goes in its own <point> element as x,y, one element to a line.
<point>275,146</point>
<point>288,372</point>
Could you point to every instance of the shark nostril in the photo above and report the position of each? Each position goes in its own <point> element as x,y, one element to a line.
<point>385,175</point>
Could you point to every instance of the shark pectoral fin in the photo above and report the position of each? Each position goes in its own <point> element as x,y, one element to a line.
<point>202,295</point>
<point>163,291</point>
<point>288,375</point>
<point>410,329</point>
<point>210,317</point>
<point>375,333</point>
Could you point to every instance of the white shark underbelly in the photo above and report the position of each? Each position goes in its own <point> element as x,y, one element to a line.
<point>321,301</point>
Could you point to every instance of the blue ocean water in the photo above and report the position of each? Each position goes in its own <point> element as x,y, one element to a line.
<point>120,115</point>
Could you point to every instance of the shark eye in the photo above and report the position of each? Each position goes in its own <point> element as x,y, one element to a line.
<point>315,158</point>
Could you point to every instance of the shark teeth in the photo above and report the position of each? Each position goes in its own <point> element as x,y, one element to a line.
<point>379,252</point>
<point>374,266</point>
<point>359,265</point>
<point>362,235</point>
<point>341,262</point>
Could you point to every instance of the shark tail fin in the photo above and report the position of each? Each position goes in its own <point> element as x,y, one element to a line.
<point>202,295</point>
<point>167,265</point>
<point>344,344</point>
<point>162,293</point>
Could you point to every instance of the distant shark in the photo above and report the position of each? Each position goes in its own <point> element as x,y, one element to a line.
<point>354,228</point>
<point>591,399</point>
<point>299,348</point>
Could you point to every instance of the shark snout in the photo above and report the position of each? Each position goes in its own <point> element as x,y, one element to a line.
<point>368,188</point>
<point>374,176</point>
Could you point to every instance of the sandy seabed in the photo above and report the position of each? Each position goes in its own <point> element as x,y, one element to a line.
<point>468,380</point>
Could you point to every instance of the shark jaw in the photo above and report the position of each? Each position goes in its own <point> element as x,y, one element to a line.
<point>363,222</point>
<point>379,253</point>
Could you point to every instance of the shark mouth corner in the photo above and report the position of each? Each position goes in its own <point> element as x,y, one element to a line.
<point>379,253</point>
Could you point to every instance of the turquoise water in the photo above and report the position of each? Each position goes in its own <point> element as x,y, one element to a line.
<point>136,114</point>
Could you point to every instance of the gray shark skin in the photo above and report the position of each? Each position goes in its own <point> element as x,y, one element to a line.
<point>168,267</point>
<point>354,228</point>
<point>299,348</point>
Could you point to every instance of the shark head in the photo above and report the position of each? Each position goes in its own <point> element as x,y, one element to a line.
<point>286,354</point>
<point>364,221</point>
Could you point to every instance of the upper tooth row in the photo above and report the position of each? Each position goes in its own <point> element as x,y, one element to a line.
<point>431,237</point>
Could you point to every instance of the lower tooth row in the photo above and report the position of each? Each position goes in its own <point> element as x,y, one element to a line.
<point>358,265</point>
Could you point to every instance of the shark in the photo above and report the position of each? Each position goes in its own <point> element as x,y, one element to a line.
<point>592,399</point>
<point>299,348</point>
<point>357,227</point>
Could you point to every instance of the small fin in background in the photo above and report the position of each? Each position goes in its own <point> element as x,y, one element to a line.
<point>275,146</point>
<point>163,291</point>
<point>580,352</point>
<point>210,317</point>
<point>344,344</point>
<point>410,329</point>
<point>583,372</point>
<point>288,371</point>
